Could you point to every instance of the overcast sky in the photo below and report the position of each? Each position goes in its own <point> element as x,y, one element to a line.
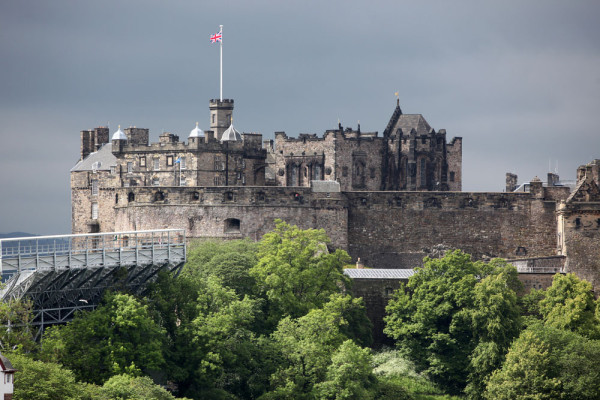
<point>519,81</point>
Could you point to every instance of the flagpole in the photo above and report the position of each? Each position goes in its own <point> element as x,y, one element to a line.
<point>221,74</point>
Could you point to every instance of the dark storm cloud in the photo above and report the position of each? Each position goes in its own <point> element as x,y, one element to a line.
<point>519,81</point>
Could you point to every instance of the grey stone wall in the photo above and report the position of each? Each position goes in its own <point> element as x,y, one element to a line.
<point>394,229</point>
<point>234,212</point>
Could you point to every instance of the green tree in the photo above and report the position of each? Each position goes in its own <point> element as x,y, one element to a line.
<point>548,363</point>
<point>133,388</point>
<point>173,301</point>
<point>357,325</point>
<point>495,322</point>
<point>36,380</point>
<point>349,376</point>
<point>227,349</point>
<point>305,346</point>
<point>570,304</point>
<point>119,336</point>
<point>445,314</point>
<point>229,260</point>
<point>17,316</point>
<point>296,272</point>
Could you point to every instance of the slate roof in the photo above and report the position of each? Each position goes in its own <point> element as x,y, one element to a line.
<point>406,122</point>
<point>366,273</point>
<point>6,364</point>
<point>104,156</point>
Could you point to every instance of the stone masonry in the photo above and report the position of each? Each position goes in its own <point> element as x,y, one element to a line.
<point>387,199</point>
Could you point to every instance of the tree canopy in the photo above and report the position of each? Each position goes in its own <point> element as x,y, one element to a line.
<point>455,319</point>
<point>296,272</point>
<point>548,363</point>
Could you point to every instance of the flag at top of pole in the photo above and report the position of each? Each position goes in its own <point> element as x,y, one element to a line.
<point>218,37</point>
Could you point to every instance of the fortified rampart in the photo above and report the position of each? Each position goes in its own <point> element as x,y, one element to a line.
<point>232,212</point>
<point>397,229</point>
<point>384,229</point>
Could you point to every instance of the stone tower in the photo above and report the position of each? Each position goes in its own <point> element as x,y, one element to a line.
<point>221,112</point>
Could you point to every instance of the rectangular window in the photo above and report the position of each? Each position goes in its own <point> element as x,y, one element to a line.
<point>129,167</point>
<point>156,163</point>
<point>243,179</point>
<point>216,181</point>
<point>451,176</point>
<point>94,187</point>
<point>182,181</point>
<point>94,210</point>
<point>142,161</point>
<point>423,172</point>
<point>169,161</point>
<point>155,182</point>
<point>218,163</point>
<point>182,162</point>
<point>113,170</point>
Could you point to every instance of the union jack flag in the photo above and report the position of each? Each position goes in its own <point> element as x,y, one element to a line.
<point>217,37</point>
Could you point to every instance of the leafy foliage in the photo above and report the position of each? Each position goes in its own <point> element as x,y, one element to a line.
<point>349,376</point>
<point>133,388</point>
<point>548,363</point>
<point>295,271</point>
<point>16,314</point>
<point>230,261</point>
<point>456,319</point>
<point>42,380</point>
<point>118,337</point>
<point>305,345</point>
<point>570,304</point>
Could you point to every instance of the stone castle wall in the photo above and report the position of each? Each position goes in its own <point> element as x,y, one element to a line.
<point>579,230</point>
<point>396,229</point>
<point>358,162</point>
<point>384,229</point>
<point>233,212</point>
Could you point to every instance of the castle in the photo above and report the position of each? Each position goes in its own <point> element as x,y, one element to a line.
<point>388,200</point>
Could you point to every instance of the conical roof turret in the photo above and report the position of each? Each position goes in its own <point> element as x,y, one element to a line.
<point>119,135</point>
<point>196,132</point>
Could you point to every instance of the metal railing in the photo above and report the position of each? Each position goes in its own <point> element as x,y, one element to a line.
<point>90,250</point>
<point>540,265</point>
